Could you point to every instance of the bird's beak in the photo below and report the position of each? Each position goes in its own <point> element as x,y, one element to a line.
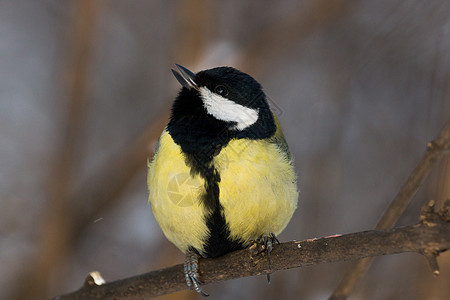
<point>185,77</point>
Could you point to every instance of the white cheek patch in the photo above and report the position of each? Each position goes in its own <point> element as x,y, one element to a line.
<point>226,110</point>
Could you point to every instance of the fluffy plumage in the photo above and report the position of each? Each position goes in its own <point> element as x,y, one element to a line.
<point>222,174</point>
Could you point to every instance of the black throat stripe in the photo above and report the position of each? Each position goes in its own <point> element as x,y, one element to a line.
<point>200,142</point>
<point>218,242</point>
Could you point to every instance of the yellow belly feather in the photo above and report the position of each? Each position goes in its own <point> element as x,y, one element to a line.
<point>258,191</point>
<point>175,196</point>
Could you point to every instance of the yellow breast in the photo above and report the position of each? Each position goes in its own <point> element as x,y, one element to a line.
<point>175,196</point>
<point>258,191</point>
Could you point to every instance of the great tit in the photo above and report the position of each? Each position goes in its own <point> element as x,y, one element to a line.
<point>222,175</point>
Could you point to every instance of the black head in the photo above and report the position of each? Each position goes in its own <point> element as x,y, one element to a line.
<point>217,105</point>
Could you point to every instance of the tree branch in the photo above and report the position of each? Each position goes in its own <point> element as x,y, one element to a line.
<point>429,237</point>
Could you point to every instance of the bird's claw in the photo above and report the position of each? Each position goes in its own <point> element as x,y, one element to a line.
<point>191,273</point>
<point>264,244</point>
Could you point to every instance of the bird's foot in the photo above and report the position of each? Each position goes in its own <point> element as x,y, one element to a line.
<point>191,273</point>
<point>264,244</point>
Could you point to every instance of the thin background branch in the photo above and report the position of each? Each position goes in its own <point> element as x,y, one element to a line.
<point>436,149</point>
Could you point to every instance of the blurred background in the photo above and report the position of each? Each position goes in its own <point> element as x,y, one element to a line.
<point>360,87</point>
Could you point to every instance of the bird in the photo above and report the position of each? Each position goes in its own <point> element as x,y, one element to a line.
<point>221,176</point>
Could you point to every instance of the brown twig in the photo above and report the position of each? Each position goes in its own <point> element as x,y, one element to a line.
<point>435,151</point>
<point>431,235</point>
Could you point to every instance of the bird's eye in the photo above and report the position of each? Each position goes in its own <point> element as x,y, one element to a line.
<point>221,90</point>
